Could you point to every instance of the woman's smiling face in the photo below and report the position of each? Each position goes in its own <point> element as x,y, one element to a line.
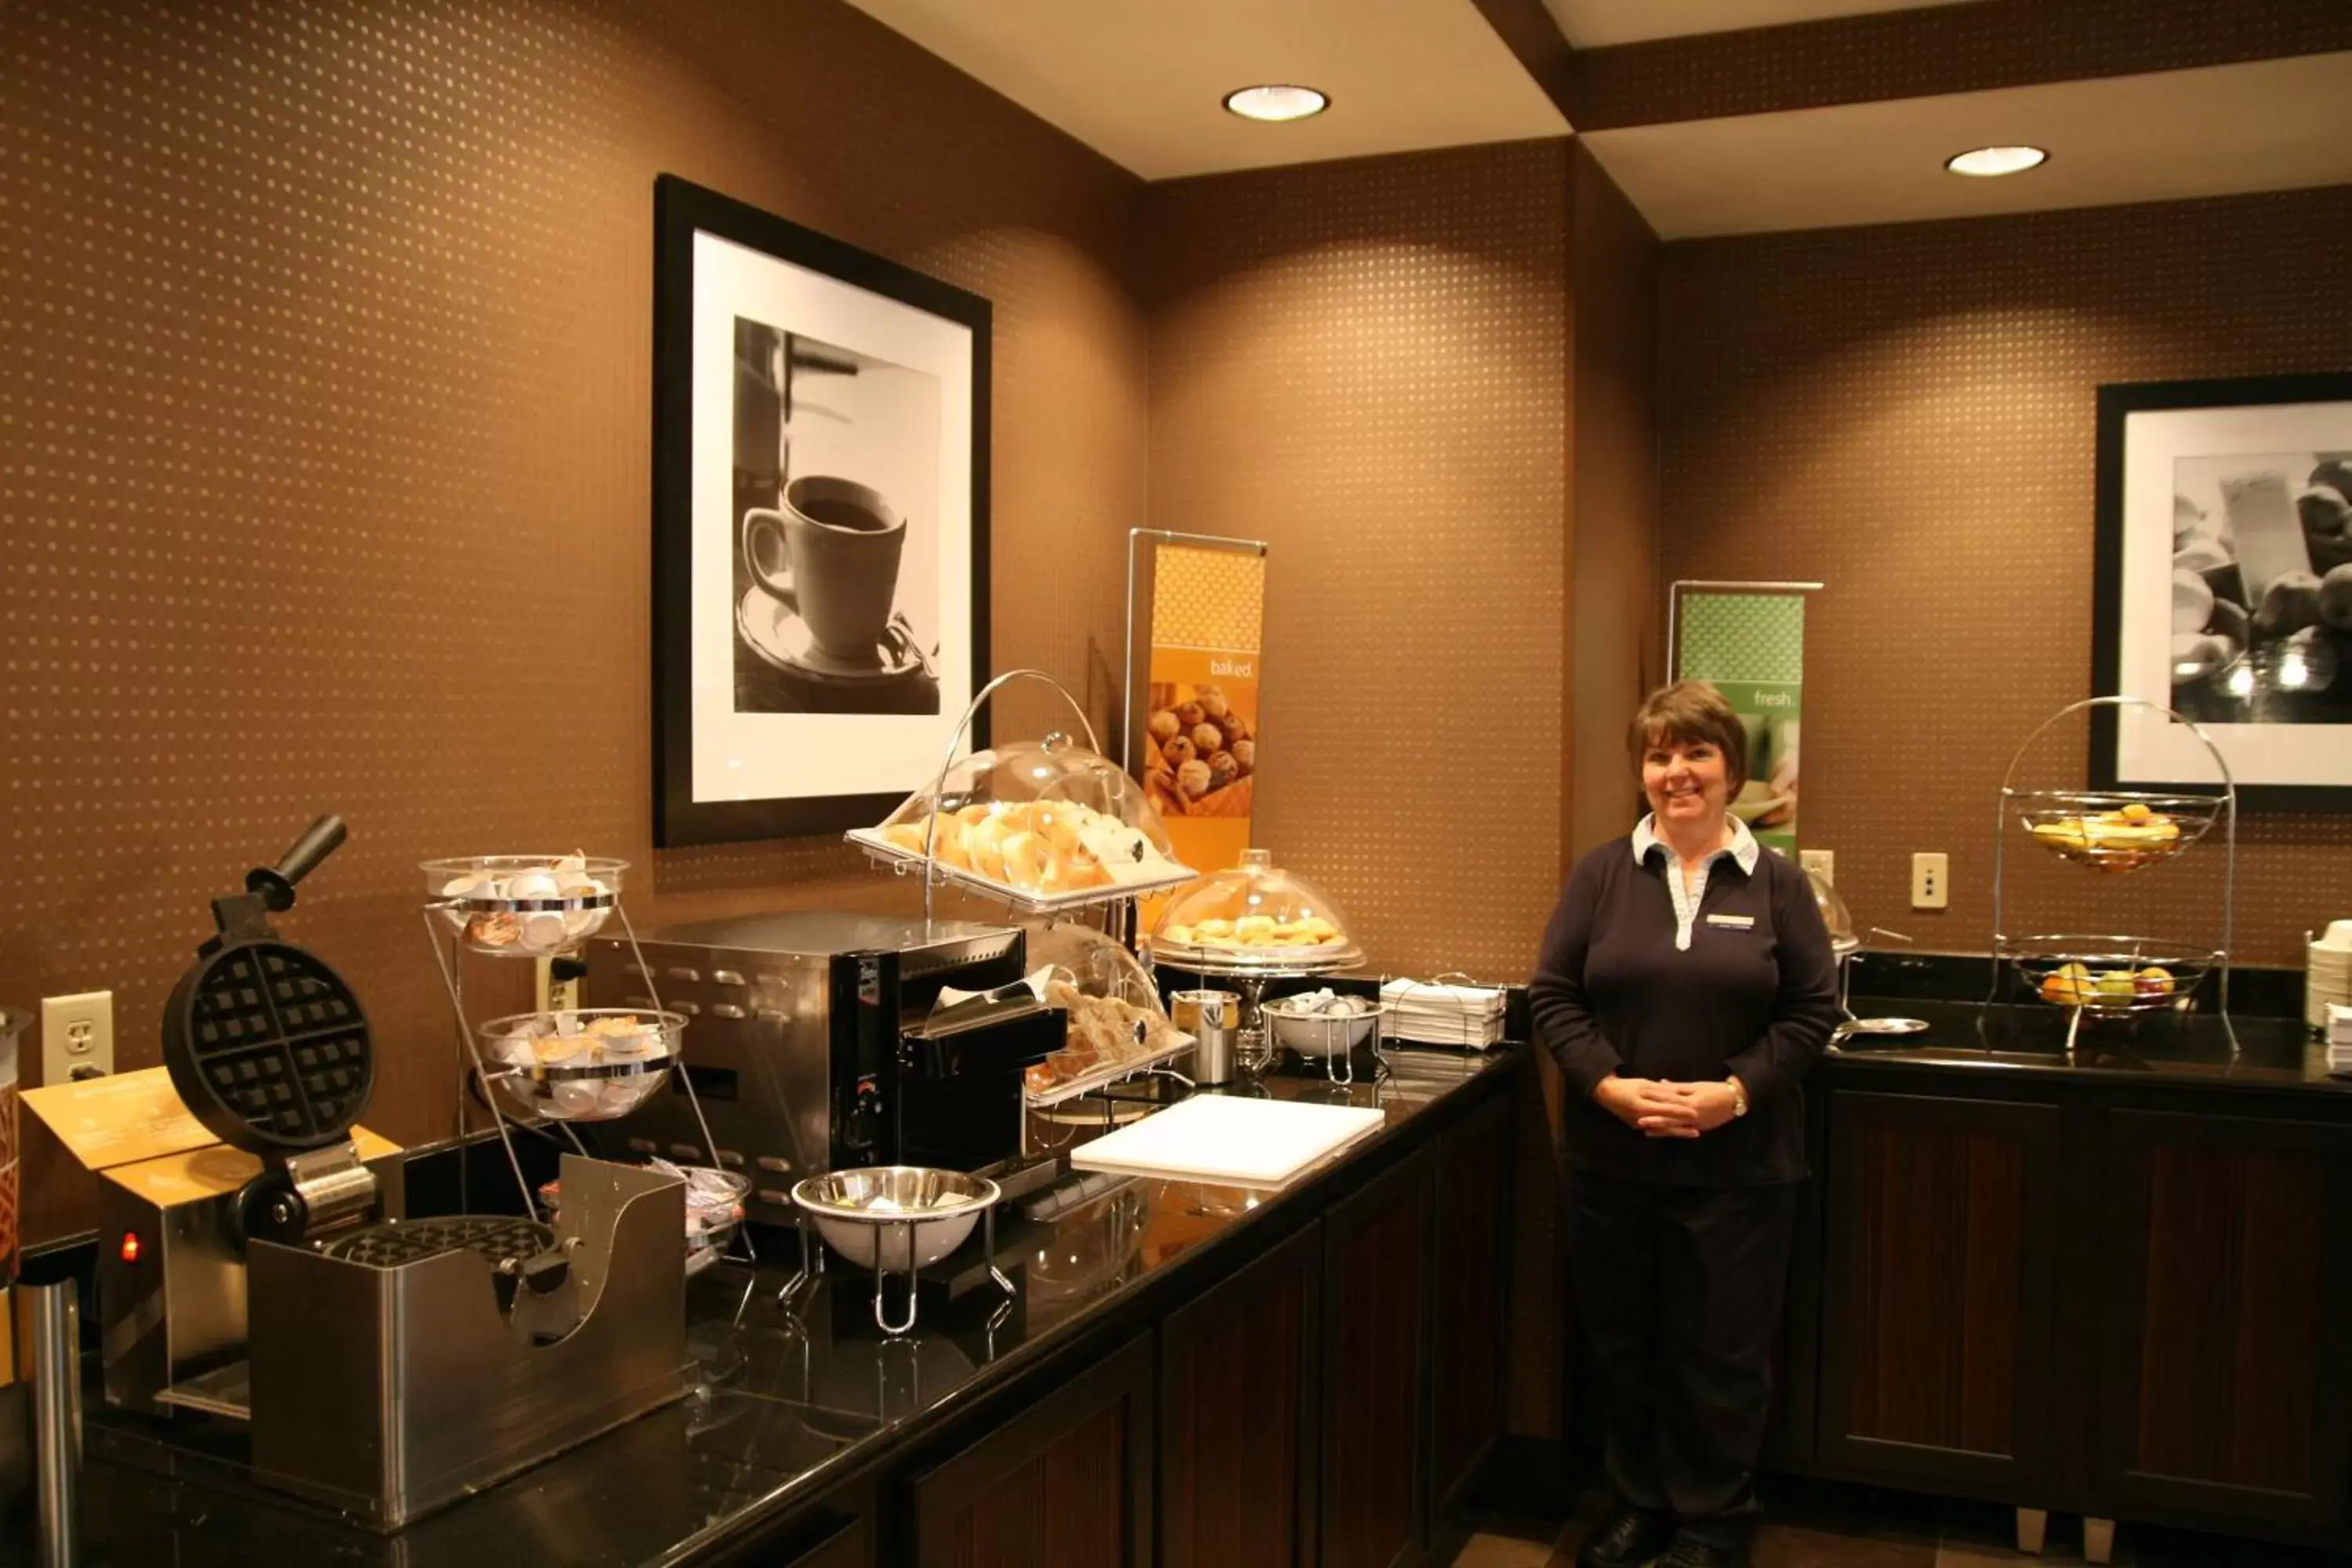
<point>1688,781</point>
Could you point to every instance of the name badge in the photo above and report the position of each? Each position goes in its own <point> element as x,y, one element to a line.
<point>1736,923</point>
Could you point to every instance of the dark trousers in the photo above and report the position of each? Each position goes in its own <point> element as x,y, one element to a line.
<point>1680,1290</point>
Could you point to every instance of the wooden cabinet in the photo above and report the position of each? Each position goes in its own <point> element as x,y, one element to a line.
<point>1239,1386</point>
<point>2223,1382</point>
<point>1939,1302</point>
<point>849,1543</point>
<point>1374,1503</point>
<point>1065,1484</point>
<point>1471,1299</point>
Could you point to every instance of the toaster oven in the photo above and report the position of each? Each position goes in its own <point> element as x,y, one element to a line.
<point>815,1043</point>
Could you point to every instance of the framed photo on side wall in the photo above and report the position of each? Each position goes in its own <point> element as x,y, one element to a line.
<point>820,616</point>
<point>2223,586</point>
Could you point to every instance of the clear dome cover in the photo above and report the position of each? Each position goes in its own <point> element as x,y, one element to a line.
<point>1116,1021</point>
<point>1093,965</point>
<point>1834,914</point>
<point>1048,822</point>
<point>1255,915</point>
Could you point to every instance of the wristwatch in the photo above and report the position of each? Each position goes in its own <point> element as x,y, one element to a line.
<point>1738,1097</point>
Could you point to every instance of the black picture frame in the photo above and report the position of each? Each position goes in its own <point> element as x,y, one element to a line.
<point>2329,786</point>
<point>681,211</point>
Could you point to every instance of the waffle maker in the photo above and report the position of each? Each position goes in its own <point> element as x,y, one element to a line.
<point>270,1049</point>
<point>380,1365</point>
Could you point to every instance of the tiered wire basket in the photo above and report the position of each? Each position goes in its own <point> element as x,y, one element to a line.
<point>553,1067</point>
<point>2101,979</point>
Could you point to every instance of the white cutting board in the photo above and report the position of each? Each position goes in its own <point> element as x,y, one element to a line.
<point>1235,1142</point>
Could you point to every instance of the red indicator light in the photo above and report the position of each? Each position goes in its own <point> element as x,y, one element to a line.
<point>130,1247</point>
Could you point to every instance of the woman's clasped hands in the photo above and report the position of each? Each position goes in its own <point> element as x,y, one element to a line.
<point>1657,1109</point>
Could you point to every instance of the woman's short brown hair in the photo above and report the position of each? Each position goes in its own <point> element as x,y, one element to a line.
<point>1688,712</point>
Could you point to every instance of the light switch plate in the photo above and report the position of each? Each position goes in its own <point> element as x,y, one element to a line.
<point>1931,881</point>
<point>76,1036</point>
<point>1821,862</point>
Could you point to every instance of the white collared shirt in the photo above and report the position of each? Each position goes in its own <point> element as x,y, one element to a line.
<point>1743,848</point>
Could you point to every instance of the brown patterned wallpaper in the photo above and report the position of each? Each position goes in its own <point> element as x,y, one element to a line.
<point>1364,364</point>
<point>1616,641</point>
<point>1907,414</point>
<point>324,475</point>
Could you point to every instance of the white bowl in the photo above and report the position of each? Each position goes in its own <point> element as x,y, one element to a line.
<point>1318,1035</point>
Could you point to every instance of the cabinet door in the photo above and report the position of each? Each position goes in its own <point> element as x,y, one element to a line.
<point>2223,1388</point>
<point>847,1544</point>
<point>1066,1484</point>
<point>1376,1339</point>
<point>1238,1385</point>
<point>1472,1294</point>
<point>1941,1219</point>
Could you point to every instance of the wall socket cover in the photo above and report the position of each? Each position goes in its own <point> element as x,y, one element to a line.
<point>76,1036</point>
<point>1822,863</point>
<point>1931,881</point>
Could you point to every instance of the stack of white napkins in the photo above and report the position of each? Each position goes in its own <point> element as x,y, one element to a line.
<point>1468,1015</point>
<point>2339,1037</point>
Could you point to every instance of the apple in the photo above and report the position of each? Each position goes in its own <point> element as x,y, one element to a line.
<point>2153,981</point>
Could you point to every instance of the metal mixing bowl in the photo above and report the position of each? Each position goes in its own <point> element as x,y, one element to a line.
<point>876,1211</point>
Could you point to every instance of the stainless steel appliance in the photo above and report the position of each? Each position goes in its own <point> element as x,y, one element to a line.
<point>815,1045</point>
<point>283,1321</point>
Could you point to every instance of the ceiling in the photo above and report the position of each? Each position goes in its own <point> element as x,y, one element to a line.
<point>1141,81</point>
<point>1144,83</point>
<point>1597,23</point>
<point>2266,125</point>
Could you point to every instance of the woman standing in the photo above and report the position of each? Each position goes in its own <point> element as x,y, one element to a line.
<point>1685,987</point>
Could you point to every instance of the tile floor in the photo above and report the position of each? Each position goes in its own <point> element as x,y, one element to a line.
<point>1820,1526</point>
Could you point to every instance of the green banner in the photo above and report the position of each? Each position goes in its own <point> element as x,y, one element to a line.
<point>1751,648</point>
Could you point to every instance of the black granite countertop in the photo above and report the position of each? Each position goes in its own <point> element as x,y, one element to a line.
<point>2193,1049</point>
<point>786,1402</point>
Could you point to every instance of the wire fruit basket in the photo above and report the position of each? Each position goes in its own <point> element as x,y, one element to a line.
<point>2109,976</point>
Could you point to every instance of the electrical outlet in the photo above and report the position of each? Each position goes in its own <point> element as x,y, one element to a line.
<point>76,1036</point>
<point>1822,863</point>
<point>1931,881</point>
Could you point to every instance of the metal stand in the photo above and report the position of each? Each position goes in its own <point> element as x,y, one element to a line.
<point>812,1268</point>
<point>470,1055</point>
<point>2007,950</point>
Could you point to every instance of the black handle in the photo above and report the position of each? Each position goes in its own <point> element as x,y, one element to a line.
<point>276,884</point>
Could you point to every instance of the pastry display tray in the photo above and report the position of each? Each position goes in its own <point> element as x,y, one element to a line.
<point>1103,1077</point>
<point>1027,901</point>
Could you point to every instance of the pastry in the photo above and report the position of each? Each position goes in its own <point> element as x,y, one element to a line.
<point>1179,752</point>
<point>1233,728</point>
<point>1244,755</point>
<point>1212,702</point>
<point>1207,738</point>
<point>1193,778</point>
<point>1025,859</point>
<point>1223,770</point>
<point>1163,727</point>
<point>984,842</point>
<point>1189,716</point>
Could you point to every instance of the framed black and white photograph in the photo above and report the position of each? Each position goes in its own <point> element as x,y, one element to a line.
<point>2223,590</point>
<point>820,522</point>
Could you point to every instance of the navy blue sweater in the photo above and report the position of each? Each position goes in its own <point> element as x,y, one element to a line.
<point>1755,995</point>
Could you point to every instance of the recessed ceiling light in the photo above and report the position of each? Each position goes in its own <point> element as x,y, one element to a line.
<point>1277,102</point>
<point>1984,163</point>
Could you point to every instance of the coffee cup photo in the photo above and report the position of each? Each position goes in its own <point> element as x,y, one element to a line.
<point>832,549</point>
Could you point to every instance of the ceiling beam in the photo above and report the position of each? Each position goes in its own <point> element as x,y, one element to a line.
<point>1528,31</point>
<point>1912,53</point>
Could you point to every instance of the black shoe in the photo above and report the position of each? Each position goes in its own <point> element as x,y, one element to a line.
<point>1687,1552</point>
<point>1628,1538</point>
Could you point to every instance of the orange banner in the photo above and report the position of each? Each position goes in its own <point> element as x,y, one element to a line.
<point>1200,740</point>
